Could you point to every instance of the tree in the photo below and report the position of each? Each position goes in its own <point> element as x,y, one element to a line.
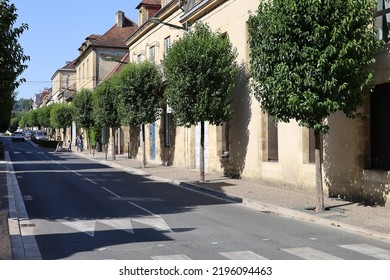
<point>139,98</point>
<point>11,60</point>
<point>201,71</point>
<point>311,58</point>
<point>61,117</point>
<point>31,118</point>
<point>83,108</point>
<point>22,105</point>
<point>43,116</point>
<point>105,109</point>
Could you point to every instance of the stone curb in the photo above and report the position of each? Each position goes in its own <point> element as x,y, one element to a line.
<point>253,204</point>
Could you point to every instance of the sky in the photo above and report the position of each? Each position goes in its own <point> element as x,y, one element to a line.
<point>56,31</point>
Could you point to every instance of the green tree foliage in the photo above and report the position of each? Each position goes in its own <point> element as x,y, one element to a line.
<point>201,72</point>
<point>15,120</point>
<point>22,105</point>
<point>310,58</point>
<point>105,112</point>
<point>44,116</point>
<point>11,60</point>
<point>82,108</point>
<point>139,98</point>
<point>61,116</point>
<point>31,118</point>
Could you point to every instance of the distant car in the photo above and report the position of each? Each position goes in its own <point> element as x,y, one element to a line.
<point>27,134</point>
<point>39,135</point>
<point>17,136</point>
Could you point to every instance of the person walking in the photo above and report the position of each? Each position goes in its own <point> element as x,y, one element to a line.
<point>69,150</point>
<point>80,142</point>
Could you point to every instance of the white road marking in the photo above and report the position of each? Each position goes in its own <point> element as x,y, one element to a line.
<point>171,257</point>
<point>87,227</point>
<point>242,255</point>
<point>369,250</point>
<point>310,254</point>
<point>155,222</point>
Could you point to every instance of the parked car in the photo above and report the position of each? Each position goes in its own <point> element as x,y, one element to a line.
<point>17,136</point>
<point>27,134</point>
<point>39,135</point>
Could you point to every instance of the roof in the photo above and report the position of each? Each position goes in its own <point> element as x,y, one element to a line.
<point>69,67</point>
<point>149,3</point>
<point>114,38</point>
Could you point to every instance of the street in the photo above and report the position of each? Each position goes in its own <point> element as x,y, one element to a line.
<point>80,209</point>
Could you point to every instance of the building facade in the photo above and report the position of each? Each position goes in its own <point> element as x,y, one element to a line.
<point>355,152</point>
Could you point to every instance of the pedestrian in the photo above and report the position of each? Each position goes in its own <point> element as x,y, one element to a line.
<point>80,142</point>
<point>69,150</point>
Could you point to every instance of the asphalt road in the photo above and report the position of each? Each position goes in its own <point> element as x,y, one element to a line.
<point>79,209</point>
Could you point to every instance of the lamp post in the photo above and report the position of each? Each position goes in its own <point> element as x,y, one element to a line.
<point>156,20</point>
<point>110,58</point>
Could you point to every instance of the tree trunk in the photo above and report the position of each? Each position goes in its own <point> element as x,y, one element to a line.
<point>113,144</point>
<point>64,132</point>
<point>129,146</point>
<point>143,147</point>
<point>202,175</point>
<point>318,161</point>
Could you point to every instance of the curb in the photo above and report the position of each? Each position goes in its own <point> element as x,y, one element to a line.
<point>252,204</point>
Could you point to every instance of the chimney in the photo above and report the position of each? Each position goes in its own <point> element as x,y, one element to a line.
<point>120,18</point>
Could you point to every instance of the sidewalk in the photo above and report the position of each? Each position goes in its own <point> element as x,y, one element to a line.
<point>371,221</point>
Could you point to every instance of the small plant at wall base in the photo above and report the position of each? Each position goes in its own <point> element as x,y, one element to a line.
<point>310,59</point>
<point>201,73</point>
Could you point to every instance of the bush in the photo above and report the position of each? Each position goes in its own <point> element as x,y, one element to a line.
<point>49,143</point>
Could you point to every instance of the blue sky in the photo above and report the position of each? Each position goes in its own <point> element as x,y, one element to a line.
<point>57,29</point>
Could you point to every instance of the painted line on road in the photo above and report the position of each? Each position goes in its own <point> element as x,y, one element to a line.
<point>369,250</point>
<point>242,255</point>
<point>310,254</point>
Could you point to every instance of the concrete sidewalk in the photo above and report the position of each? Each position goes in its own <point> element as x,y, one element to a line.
<point>373,221</point>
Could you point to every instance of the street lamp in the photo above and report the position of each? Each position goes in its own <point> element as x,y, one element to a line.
<point>158,21</point>
<point>110,58</point>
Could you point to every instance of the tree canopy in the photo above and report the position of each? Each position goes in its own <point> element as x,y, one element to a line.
<point>201,71</point>
<point>12,60</point>
<point>83,108</point>
<point>105,111</point>
<point>139,98</point>
<point>310,58</point>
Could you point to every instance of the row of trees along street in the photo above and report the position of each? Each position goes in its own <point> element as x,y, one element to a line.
<point>308,59</point>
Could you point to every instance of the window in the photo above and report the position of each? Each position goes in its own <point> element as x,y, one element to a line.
<point>225,137</point>
<point>273,154</point>
<point>139,58</point>
<point>152,54</point>
<point>382,21</point>
<point>167,44</point>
